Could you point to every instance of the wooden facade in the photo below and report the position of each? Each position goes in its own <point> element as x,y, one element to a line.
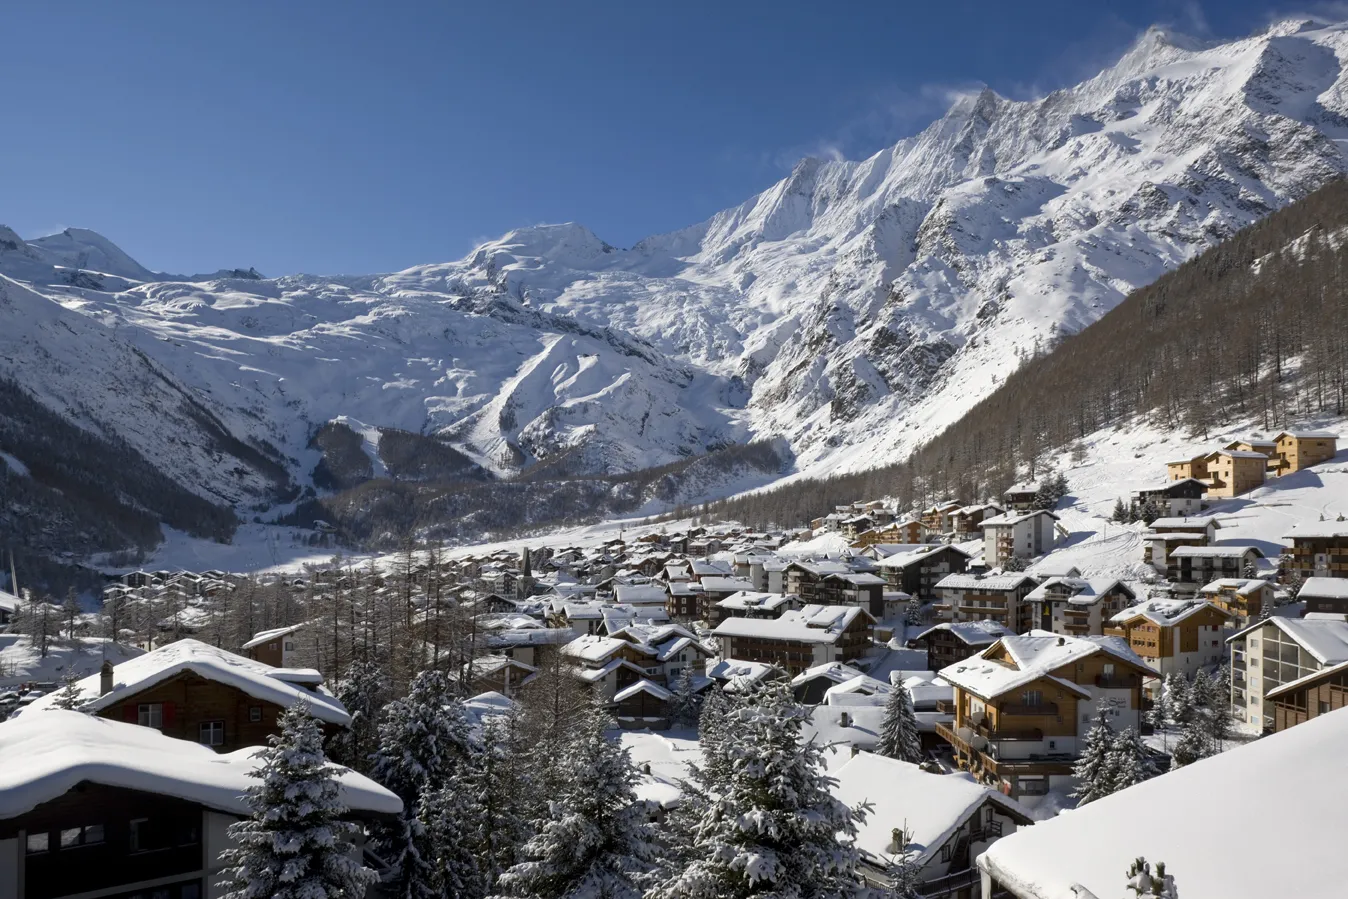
<point>1300,701</point>
<point>1298,451</point>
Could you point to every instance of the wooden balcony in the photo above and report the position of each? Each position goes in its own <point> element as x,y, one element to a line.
<point>1118,681</point>
<point>1040,710</point>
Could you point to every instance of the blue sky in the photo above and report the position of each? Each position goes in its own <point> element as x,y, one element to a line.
<point>361,137</point>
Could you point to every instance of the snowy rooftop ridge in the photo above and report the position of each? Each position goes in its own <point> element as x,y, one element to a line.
<point>253,678</point>
<point>1090,847</point>
<point>44,755</point>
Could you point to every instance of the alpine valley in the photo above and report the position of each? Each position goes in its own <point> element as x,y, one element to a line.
<point>838,319</point>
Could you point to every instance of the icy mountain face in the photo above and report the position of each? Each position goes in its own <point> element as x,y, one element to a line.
<point>855,308</point>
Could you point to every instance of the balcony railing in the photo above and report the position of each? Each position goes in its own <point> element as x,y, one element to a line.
<point>945,706</point>
<point>1118,681</point>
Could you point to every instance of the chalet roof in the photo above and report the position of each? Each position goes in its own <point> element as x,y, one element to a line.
<point>857,578</point>
<point>933,806</point>
<point>1196,522</point>
<point>973,633</point>
<point>1235,443</point>
<point>1011,519</point>
<point>643,686</point>
<point>44,756</point>
<point>1035,655</point>
<point>1238,454</point>
<point>263,636</point>
<point>1238,584</point>
<point>991,582</point>
<point>739,674</point>
<point>252,678</point>
<point>1322,530</point>
<point>726,584</point>
<point>640,593</point>
<point>1082,591</point>
<point>1324,588</point>
<point>836,672</point>
<point>1166,612</point>
<point>812,624</point>
<point>1309,435</point>
<point>749,600</point>
<point>1223,552</point>
<point>1024,487</point>
<point>920,552</point>
<point>594,648</point>
<point>1326,638</point>
<point>1086,851</point>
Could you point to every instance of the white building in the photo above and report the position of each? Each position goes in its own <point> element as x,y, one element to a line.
<point>1277,651</point>
<point>1022,535</point>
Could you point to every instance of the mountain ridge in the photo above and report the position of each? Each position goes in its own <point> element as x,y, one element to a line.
<point>855,308</point>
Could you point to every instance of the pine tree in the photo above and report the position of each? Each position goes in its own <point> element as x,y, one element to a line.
<point>1192,745</point>
<point>423,743</point>
<point>773,828</point>
<point>499,788</point>
<point>1182,706</point>
<point>448,817</point>
<point>1094,772</point>
<point>1120,511</point>
<point>684,705</point>
<point>363,689</point>
<point>905,881</point>
<point>594,841</point>
<point>1162,709</point>
<point>295,844</point>
<point>68,698</point>
<point>899,738</point>
<point>1129,762</point>
<point>1143,884</point>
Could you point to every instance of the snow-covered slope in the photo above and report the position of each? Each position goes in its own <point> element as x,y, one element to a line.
<point>855,307</point>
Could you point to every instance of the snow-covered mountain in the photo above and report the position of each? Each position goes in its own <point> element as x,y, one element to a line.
<point>854,308</point>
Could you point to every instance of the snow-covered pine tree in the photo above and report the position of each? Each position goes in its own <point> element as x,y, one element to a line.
<point>1129,762</point>
<point>1120,511</point>
<point>712,714</point>
<point>1182,706</point>
<point>295,844</point>
<point>500,789</point>
<point>904,875</point>
<point>899,738</point>
<point>773,828</point>
<point>594,842</point>
<point>1161,711</point>
<point>363,689</point>
<point>423,743</point>
<point>447,815</point>
<point>1014,563</point>
<point>1094,772</point>
<point>684,704</point>
<point>1192,744</point>
<point>1143,884</point>
<point>68,698</point>
<point>912,613</point>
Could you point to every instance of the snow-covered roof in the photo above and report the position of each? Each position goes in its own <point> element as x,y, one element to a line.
<point>256,679</point>
<point>45,755</point>
<point>739,674</point>
<point>725,584</point>
<point>1166,612</point>
<point>1240,454</point>
<point>931,807</point>
<point>858,578</point>
<point>812,624</point>
<point>921,551</point>
<point>640,593</point>
<point>862,684</point>
<point>1194,522</point>
<point>1081,591</point>
<point>263,636</point>
<point>1309,435</point>
<point>748,600</point>
<point>1034,655</point>
<point>990,582</point>
<point>1014,518</point>
<point>1324,588</point>
<point>836,672</point>
<point>974,633</point>
<point>1024,487</point>
<point>1299,769</point>
<point>8,602</point>
<point>1220,552</point>
<point>1238,584</point>
<point>1325,637</point>
<point>1324,530</point>
<point>594,647</point>
<point>643,686</point>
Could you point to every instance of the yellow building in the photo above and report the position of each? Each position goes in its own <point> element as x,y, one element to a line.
<point>1197,467</point>
<point>1235,472</point>
<point>1302,449</point>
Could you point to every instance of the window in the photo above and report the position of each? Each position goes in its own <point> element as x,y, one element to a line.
<point>89,835</point>
<point>1033,697</point>
<point>211,733</point>
<point>1254,644</point>
<point>1324,707</point>
<point>150,714</point>
<point>140,835</point>
<point>38,842</point>
<point>255,713</point>
<point>290,646</point>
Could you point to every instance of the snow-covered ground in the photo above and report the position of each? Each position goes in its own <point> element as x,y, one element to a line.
<point>21,662</point>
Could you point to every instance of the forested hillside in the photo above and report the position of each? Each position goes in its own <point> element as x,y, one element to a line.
<point>1254,327</point>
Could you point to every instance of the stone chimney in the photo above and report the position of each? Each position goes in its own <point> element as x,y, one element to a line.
<point>1062,641</point>
<point>105,679</point>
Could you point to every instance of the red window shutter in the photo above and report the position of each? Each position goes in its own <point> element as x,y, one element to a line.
<point>131,713</point>
<point>168,715</point>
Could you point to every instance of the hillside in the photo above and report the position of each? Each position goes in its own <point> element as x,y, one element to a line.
<point>855,309</point>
